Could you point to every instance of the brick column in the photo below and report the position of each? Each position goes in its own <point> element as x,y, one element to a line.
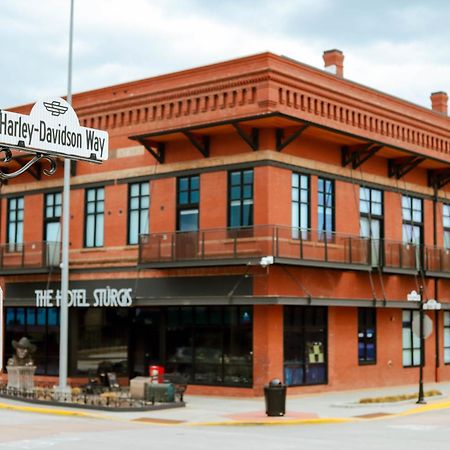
<point>267,345</point>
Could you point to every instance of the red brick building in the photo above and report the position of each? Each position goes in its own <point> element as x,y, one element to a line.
<point>211,171</point>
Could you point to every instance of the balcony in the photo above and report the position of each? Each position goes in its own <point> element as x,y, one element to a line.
<point>30,257</point>
<point>231,246</point>
<point>437,262</point>
<point>399,257</point>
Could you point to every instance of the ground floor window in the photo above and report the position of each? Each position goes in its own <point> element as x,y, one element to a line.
<point>41,327</point>
<point>101,340</point>
<point>410,342</point>
<point>367,335</point>
<point>447,337</point>
<point>210,345</point>
<point>305,345</point>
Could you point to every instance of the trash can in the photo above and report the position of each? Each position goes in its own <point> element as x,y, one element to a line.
<point>275,398</point>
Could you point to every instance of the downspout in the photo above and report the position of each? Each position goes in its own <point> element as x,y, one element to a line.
<point>436,291</point>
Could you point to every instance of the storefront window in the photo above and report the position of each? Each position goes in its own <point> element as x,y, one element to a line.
<point>210,345</point>
<point>41,326</point>
<point>305,346</point>
<point>102,340</point>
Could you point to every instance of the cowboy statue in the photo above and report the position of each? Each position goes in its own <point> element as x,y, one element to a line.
<point>22,357</point>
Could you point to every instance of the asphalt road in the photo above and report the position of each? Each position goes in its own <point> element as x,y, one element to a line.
<point>24,430</point>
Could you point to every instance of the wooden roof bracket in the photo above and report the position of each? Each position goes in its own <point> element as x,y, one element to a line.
<point>280,143</point>
<point>251,139</point>
<point>358,154</point>
<point>399,167</point>
<point>438,178</point>
<point>156,149</point>
<point>200,142</point>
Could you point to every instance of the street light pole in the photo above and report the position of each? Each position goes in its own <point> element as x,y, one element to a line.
<point>421,399</point>
<point>64,312</point>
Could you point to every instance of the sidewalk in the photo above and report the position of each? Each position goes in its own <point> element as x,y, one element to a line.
<point>328,407</point>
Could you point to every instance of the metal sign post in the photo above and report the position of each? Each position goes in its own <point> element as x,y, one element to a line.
<point>422,330</point>
<point>2,335</point>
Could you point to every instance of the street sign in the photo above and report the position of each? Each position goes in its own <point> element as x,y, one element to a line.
<point>53,128</point>
<point>427,326</point>
<point>413,296</point>
<point>432,305</point>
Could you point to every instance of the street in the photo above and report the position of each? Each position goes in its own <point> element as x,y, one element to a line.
<point>28,430</point>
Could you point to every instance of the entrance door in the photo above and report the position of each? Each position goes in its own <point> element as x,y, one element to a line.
<point>145,341</point>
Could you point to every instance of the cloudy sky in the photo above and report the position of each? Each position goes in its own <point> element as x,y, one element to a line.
<point>398,46</point>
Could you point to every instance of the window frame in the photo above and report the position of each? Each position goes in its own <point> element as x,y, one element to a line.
<point>189,205</point>
<point>446,225</point>
<point>412,222</point>
<point>96,214</point>
<point>54,218</point>
<point>300,203</point>
<point>142,228</point>
<point>364,322</point>
<point>446,345</point>
<point>323,233</point>
<point>241,199</point>
<point>411,339</point>
<point>17,240</point>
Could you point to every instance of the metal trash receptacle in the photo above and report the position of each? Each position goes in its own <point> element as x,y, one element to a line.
<point>275,398</point>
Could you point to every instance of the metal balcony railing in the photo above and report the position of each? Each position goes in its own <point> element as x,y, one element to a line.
<point>29,257</point>
<point>240,245</point>
<point>400,256</point>
<point>437,261</point>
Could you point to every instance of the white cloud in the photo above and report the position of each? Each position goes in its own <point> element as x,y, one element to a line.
<point>118,40</point>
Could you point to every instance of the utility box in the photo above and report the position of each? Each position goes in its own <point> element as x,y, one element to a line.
<point>160,392</point>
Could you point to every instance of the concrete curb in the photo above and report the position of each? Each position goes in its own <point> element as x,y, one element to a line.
<point>270,422</point>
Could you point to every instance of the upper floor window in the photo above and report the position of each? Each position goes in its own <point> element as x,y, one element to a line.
<point>240,198</point>
<point>300,204</point>
<point>371,219</point>
<point>138,210</point>
<point>410,342</point>
<point>367,335</point>
<point>412,219</point>
<point>94,214</point>
<point>325,208</point>
<point>188,197</point>
<point>446,224</point>
<point>52,216</point>
<point>15,220</point>
<point>447,337</point>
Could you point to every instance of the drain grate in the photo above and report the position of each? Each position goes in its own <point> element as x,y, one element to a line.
<point>373,415</point>
<point>160,421</point>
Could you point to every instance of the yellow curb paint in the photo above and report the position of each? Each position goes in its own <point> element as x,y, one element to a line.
<point>324,420</point>
<point>425,408</point>
<point>57,412</point>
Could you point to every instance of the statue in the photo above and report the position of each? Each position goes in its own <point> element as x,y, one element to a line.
<point>24,348</point>
<point>21,367</point>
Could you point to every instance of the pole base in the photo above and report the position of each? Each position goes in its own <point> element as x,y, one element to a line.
<point>62,393</point>
<point>421,401</point>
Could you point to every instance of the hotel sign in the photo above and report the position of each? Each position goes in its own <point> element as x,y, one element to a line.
<point>53,128</point>
<point>105,297</point>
